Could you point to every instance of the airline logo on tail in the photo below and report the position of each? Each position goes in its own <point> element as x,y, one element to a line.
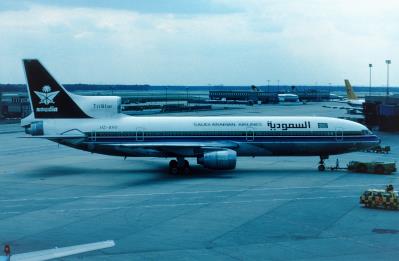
<point>46,97</point>
<point>349,91</point>
<point>49,99</point>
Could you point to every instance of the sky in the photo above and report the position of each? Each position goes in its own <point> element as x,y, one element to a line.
<point>202,42</point>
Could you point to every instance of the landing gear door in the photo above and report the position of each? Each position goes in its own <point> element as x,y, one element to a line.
<point>139,134</point>
<point>339,134</point>
<point>250,134</point>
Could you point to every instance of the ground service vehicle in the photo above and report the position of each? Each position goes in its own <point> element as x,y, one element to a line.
<point>379,149</point>
<point>379,198</point>
<point>372,167</point>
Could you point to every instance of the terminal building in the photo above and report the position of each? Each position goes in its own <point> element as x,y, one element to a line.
<point>14,105</point>
<point>268,97</point>
<point>264,97</point>
<point>382,112</point>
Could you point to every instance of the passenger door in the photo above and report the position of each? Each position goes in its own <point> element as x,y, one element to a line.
<point>250,134</point>
<point>139,134</point>
<point>93,136</point>
<point>339,134</point>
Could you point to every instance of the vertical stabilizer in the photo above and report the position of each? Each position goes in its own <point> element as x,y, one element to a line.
<point>349,91</point>
<point>48,98</point>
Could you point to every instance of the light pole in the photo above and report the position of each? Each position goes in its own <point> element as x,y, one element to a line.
<point>166,94</point>
<point>388,62</point>
<point>268,85</point>
<point>187,94</point>
<point>370,66</point>
<point>278,86</point>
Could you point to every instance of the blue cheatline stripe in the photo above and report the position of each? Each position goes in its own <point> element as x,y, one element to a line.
<point>241,139</point>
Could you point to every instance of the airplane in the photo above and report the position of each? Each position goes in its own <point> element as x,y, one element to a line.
<point>352,99</point>
<point>355,104</point>
<point>54,253</point>
<point>96,124</point>
<point>288,98</point>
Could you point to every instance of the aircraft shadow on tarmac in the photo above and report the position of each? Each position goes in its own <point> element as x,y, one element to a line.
<point>158,172</point>
<point>140,176</point>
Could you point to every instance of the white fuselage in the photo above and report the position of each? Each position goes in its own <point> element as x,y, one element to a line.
<point>95,124</point>
<point>249,136</point>
<point>356,103</point>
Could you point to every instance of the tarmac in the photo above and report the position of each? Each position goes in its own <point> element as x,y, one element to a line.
<point>269,208</point>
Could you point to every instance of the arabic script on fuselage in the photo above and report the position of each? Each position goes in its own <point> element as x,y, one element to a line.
<point>286,126</point>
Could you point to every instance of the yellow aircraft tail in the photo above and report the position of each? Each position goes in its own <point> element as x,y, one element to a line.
<point>349,91</point>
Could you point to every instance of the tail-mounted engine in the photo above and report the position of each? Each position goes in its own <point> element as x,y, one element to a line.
<point>35,128</point>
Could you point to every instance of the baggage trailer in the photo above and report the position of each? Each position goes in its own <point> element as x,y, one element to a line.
<point>379,149</point>
<point>372,167</point>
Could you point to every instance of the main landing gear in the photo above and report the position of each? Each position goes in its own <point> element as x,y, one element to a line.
<point>322,167</point>
<point>179,166</point>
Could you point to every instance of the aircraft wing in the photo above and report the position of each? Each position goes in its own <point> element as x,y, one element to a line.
<point>175,148</point>
<point>215,144</point>
<point>350,110</point>
<point>61,252</point>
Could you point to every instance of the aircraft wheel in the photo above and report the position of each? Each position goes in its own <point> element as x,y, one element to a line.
<point>186,168</point>
<point>173,169</point>
<point>321,168</point>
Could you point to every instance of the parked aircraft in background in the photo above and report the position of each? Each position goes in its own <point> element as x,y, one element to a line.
<point>288,98</point>
<point>352,99</point>
<point>95,124</point>
<point>355,104</point>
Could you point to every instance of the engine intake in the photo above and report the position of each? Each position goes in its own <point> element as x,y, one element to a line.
<point>35,128</point>
<point>221,160</point>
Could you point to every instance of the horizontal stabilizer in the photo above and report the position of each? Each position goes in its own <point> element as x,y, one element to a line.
<point>54,137</point>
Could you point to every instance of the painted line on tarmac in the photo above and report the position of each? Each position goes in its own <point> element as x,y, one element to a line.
<point>181,204</point>
<point>184,193</point>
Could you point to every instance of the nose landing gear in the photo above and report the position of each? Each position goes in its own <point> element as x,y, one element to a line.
<point>322,167</point>
<point>179,166</point>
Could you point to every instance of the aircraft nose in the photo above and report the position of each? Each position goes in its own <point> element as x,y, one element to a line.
<point>377,140</point>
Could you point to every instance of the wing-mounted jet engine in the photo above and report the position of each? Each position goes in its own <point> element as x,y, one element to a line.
<point>219,160</point>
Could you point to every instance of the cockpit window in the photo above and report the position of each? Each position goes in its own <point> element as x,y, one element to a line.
<point>366,132</point>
